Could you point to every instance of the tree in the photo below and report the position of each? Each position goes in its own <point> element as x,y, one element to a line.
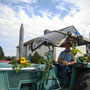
<point>36,58</point>
<point>1,53</point>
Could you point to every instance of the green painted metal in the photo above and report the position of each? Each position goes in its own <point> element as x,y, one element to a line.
<point>75,72</point>
<point>2,81</point>
<point>73,77</point>
<point>53,82</point>
<point>10,80</point>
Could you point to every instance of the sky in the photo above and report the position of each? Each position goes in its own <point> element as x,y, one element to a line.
<point>39,15</point>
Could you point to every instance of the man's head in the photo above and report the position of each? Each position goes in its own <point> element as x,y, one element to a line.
<point>67,46</point>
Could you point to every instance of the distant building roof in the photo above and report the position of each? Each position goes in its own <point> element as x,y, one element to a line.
<point>28,42</point>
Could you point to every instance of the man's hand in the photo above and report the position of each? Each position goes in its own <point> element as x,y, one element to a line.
<point>65,63</point>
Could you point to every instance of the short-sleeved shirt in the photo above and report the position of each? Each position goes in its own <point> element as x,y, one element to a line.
<point>66,56</point>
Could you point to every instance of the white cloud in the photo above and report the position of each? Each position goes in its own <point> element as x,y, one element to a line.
<point>34,26</point>
<point>8,21</point>
<point>24,1</point>
<point>29,1</point>
<point>61,6</point>
<point>80,19</point>
<point>77,16</point>
<point>55,1</point>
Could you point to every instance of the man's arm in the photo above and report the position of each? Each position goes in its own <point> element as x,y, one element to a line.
<point>61,61</point>
<point>65,62</point>
<point>71,63</point>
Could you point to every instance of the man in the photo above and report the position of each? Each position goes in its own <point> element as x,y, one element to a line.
<point>66,60</point>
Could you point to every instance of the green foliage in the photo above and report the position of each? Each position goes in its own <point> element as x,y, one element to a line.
<point>75,51</point>
<point>14,63</point>
<point>17,64</point>
<point>1,54</point>
<point>2,57</point>
<point>9,58</point>
<point>84,58</point>
<point>36,58</point>
<point>48,63</point>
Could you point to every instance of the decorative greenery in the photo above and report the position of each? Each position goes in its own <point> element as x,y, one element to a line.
<point>85,58</point>
<point>36,58</point>
<point>48,62</point>
<point>75,51</point>
<point>18,64</point>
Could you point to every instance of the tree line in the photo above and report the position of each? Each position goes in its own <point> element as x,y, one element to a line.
<point>36,58</point>
<point>3,57</point>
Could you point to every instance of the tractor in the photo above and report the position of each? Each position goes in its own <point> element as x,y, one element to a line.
<point>78,79</point>
<point>48,76</point>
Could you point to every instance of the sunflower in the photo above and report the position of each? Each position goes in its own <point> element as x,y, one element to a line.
<point>23,60</point>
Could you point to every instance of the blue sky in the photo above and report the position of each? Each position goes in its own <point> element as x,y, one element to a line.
<point>38,15</point>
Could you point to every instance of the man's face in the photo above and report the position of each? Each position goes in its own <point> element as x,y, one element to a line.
<point>67,46</point>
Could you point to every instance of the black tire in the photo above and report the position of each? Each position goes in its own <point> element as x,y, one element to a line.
<point>83,80</point>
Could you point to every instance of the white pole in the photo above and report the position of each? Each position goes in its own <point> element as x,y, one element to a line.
<point>21,37</point>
